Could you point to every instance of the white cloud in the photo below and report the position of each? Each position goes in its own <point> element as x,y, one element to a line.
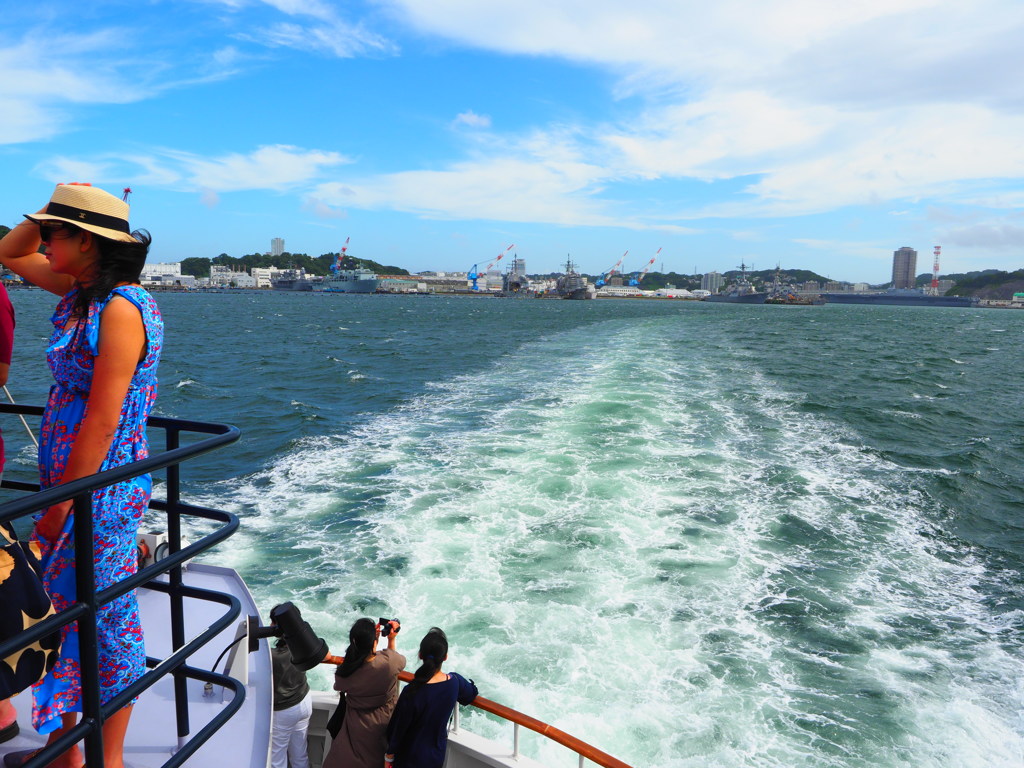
<point>683,39</point>
<point>471,119</point>
<point>849,249</point>
<point>517,188</point>
<point>327,31</point>
<point>820,105</point>
<point>37,88</point>
<point>335,38</point>
<point>987,236</point>
<point>275,167</point>
<point>209,198</point>
<point>323,210</point>
<point>61,170</point>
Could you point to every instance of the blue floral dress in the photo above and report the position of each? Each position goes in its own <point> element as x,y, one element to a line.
<point>117,510</point>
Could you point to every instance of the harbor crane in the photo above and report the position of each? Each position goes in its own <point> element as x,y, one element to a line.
<point>474,274</point>
<point>341,256</point>
<point>610,272</point>
<point>643,273</point>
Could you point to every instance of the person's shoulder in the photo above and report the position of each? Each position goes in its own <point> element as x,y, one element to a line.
<point>394,658</point>
<point>134,293</point>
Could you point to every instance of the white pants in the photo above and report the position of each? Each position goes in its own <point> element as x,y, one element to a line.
<point>288,737</point>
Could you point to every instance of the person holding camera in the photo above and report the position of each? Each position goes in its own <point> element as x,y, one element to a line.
<point>418,732</point>
<point>368,682</point>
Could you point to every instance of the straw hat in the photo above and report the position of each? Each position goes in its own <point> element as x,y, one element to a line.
<point>88,208</point>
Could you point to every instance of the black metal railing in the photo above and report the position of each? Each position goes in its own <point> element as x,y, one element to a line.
<point>88,601</point>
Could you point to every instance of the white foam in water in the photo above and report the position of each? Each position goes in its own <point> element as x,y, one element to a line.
<point>655,551</point>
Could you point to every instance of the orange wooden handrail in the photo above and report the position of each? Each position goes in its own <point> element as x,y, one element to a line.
<point>578,746</point>
<point>567,740</point>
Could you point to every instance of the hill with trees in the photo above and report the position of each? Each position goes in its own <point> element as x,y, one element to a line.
<point>989,284</point>
<point>319,265</point>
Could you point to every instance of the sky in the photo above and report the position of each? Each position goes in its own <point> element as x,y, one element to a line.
<point>815,134</point>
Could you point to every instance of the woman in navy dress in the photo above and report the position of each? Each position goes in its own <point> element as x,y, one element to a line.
<point>418,731</point>
<point>103,352</point>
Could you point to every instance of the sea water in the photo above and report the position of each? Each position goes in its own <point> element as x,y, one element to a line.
<point>689,534</point>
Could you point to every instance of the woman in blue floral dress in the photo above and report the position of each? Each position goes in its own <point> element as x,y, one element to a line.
<point>103,353</point>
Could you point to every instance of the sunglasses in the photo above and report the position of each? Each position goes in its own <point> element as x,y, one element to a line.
<point>47,232</point>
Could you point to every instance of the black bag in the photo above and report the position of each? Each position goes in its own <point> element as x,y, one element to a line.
<point>334,724</point>
<point>23,603</point>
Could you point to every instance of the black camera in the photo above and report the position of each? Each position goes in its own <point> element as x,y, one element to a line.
<point>385,626</point>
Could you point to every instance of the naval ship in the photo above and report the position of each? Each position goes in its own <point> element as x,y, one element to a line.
<point>906,297</point>
<point>743,292</point>
<point>347,277</point>
<point>358,280</point>
<point>573,285</point>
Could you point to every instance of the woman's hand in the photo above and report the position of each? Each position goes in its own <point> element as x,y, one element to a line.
<point>52,522</point>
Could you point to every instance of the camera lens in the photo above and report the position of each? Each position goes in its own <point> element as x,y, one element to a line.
<point>306,649</point>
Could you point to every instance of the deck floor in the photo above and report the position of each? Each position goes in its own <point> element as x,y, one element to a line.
<point>243,742</point>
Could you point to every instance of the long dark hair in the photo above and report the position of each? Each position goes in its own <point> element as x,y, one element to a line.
<point>119,262</point>
<point>433,651</point>
<point>361,641</point>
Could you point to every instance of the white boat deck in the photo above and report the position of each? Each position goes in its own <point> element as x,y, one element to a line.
<point>244,741</point>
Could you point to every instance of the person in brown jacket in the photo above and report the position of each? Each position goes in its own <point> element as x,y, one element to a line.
<point>368,681</point>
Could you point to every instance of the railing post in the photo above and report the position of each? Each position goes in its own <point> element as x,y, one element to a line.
<point>88,643</point>
<point>175,596</point>
<point>455,720</point>
<point>515,741</point>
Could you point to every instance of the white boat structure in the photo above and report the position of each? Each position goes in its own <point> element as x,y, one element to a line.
<point>206,700</point>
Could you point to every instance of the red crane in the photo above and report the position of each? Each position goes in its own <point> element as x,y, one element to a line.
<point>500,257</point>
<point>643,273</point>
<point>341,256</point>
<point>607,276</point>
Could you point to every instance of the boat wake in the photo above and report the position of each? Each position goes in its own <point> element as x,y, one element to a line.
<point>633,533</point>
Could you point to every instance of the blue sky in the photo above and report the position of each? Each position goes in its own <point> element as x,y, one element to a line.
<point>435,133</point>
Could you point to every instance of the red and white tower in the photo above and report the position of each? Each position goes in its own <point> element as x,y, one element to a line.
<point>935,272</point>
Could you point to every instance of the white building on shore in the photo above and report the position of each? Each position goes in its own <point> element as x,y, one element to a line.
<point>224,277</point>
<point>264,276</point>
<point>166,275</point>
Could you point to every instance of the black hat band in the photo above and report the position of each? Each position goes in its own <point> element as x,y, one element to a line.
<point>88,217</point>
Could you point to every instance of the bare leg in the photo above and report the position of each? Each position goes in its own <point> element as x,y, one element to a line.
<point>72,758</point>
<point>7,713</point>
<point>114,730</point>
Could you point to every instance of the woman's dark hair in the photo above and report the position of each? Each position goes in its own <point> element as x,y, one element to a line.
<point>119,262</point>
<point>361,640</point>
<point>433,651</point>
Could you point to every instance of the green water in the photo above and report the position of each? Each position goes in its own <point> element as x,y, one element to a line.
<point>690,534</point>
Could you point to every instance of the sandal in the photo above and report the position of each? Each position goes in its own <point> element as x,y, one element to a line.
<point>18,759</point>
<point>8,733</point>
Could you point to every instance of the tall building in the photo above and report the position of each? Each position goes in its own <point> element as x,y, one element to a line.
<point>904,268</point>
<point>711,281</point>
<point>277,246</point>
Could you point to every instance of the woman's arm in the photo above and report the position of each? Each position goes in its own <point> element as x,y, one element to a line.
<point>122,343</point>
<point>467,689</point>
<point>19,252</point>
<point>401,720</point>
